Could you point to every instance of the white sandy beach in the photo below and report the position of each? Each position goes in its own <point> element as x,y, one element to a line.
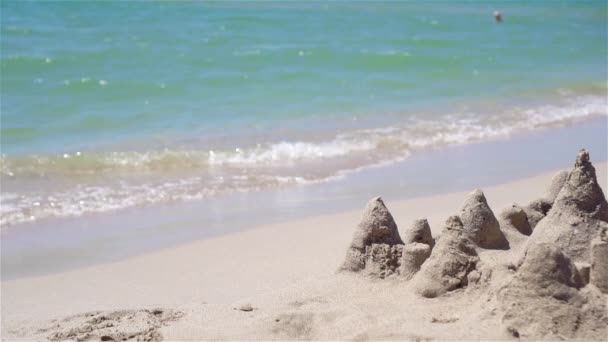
<point>286,272</point>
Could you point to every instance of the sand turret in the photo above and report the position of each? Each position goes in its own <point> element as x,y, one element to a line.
<point>377,226</point>
<point>452,259</point>
<point>376,243</point>
<point>480,224</point>
<point>419,243</point>
<point>419,232</point>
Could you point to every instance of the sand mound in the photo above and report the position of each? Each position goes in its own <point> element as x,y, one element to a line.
<point>480,224</point>
<point>577,215</point>
<point>544,299</point>
<point>452,259</point>
<point>419,232</point>
<point>139,325</point>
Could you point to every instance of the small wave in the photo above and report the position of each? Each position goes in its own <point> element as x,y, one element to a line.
<point>81,200</point>
<point>290,152</point>
<point>389,142</point>
<point>253,52</point>
<point>203,173</point>
<point>578,108</point>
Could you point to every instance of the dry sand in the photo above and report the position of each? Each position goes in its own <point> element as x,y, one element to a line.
<point>277,282</point>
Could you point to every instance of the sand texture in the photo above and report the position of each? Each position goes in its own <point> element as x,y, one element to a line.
<point>139,325</point>
<point>459,273</point>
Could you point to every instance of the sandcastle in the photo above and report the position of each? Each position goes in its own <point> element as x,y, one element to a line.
<point>558,287</point>
<point>378,250</point>
<point>479,222</point>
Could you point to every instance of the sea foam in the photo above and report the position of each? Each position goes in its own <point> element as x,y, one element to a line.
<point>102,181</point>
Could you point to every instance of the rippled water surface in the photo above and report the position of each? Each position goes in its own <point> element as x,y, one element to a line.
<point>118,104</point>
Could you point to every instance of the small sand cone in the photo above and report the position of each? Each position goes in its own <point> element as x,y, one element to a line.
<point>419,232</point>
<point>582,191</point>
<point>452,259</point>
<point>480,224</point>
<point>377,227</point>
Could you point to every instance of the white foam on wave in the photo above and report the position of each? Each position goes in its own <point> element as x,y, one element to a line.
<point>82,199</point>
<point>578,108</point>
<point>293,151</point>
<point>397,141</point>
<point>345,153</point>
<point>376,145</point>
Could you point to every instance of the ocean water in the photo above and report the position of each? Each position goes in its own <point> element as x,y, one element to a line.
<point>113,105</point>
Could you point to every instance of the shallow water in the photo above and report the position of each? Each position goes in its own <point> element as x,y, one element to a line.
<point>63,243</point>
<point>131,104</point>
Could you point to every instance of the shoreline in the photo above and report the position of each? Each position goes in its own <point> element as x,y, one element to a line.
<point>78,182</point>
<point>268,266</point>
<point>63,244</point>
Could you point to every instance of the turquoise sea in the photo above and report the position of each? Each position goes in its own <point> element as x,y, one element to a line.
<point>107,105</point>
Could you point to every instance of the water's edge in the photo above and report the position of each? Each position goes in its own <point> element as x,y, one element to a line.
<point>62,244</point>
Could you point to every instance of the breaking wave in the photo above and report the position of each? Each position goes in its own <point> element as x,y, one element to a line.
<point>80,182</point>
